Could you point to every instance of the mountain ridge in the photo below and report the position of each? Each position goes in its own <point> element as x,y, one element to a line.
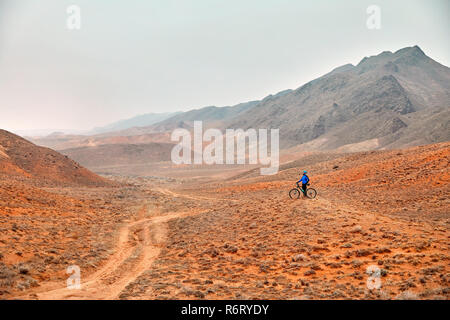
<point>387,97</point>
<point>376,90</point>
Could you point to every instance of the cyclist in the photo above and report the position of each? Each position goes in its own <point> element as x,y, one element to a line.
<point>304,180</point>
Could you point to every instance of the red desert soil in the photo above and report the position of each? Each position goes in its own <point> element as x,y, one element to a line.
<point>53,213</point>
<point>239,238</point>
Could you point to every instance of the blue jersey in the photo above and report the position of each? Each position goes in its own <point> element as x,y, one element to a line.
<point>304,179</point>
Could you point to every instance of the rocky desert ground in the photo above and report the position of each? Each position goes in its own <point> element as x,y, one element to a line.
<point>378,229</point>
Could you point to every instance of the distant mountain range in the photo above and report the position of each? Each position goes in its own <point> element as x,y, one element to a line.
<point>137,121</point>
<point>385,101</point>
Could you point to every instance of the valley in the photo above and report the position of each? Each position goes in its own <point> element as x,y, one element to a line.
<point>115,204</point>
<point>238,236</point>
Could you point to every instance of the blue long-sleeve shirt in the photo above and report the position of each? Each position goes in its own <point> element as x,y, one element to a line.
<point>304,179</point>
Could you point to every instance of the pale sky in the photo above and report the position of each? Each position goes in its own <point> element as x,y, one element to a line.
<point>138,56</point>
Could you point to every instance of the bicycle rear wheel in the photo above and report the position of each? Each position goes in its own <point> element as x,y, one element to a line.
<point>294,193</point>
<point>311,193</point>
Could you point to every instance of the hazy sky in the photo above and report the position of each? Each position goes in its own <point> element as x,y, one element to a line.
<point>138,56</point>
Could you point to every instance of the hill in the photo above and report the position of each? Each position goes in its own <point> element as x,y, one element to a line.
<point>22,159</point>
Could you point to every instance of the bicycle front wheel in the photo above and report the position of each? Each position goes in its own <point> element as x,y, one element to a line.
<point>311,193</point>
<point>294,194</point>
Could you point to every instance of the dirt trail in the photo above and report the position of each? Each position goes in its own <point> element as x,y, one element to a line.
<point>134,253</point>
<point>170,193</point>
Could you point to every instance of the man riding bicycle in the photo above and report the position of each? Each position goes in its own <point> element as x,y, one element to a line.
<point>304,180</point>
<point>309,193</point>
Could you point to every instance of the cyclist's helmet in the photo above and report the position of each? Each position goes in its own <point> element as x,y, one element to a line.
<point>304,171</point>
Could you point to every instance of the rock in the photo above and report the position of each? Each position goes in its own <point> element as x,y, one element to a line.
<point>24,269</point>
<point>363,252</point>
<point>309,272</point>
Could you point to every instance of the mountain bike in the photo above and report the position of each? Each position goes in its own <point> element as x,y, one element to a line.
<point>295,193</point>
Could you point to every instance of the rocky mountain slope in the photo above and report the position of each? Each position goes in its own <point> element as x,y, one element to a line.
<point>211,116</point>
<point>388,100</point>
<point>400,98</point>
